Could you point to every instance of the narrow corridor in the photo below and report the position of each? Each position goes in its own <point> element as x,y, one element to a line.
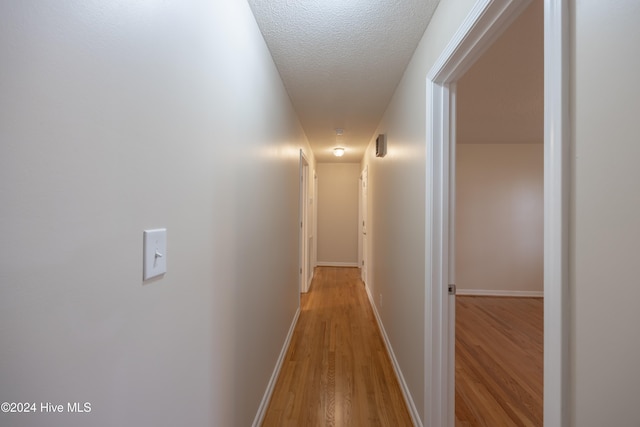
<point>337,371</point>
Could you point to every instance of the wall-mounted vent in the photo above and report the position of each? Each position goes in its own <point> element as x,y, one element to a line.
<point>381,145</point>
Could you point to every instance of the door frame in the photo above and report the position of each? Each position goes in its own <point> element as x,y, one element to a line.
<point>314,225</point>
<point>483,25</point>
<point>363,200</point>
<point>303,220</point>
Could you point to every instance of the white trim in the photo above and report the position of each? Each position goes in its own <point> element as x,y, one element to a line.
<point>303,219</point>
<point>264,404</point>
<point>436,321</point>
<point>363,220</point>
<point>499,293</point>
<point>485,22</point>
<point>360,219</point>
<point>413,411</point>
<point>336,264</point>
<point>315,221</point>
<point>556,212</point>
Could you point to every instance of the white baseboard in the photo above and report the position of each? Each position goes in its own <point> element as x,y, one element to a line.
<point>262,409</point>
<point>415,417</point>
<point>505,293</point>
<point>336,264</point>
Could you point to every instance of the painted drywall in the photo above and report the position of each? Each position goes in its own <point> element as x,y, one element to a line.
<point>500,99</point>
<point>499,218</point>
<point>499,188</point>
<point>604,232</point>
<point>397,203</point>
<point>338,213</point>
<point>605,213</point>
<point>119,117</point>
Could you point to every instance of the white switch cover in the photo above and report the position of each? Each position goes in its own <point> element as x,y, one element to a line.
<point>155,253</point>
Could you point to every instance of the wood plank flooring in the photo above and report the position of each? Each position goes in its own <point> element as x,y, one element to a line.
<point>337,371</point>
<point>499,361</point>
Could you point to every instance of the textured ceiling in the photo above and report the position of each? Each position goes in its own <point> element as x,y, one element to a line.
<point>341,62</point>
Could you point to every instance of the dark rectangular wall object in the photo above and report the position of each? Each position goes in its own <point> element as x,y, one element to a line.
<point>381,145</point>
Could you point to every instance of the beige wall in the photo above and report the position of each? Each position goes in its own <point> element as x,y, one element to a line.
<point>121,116</point>
<point>605,214</point>
<point>604,231</point>
<point>338,213</point>
<point>500,99</point>
<point>499,219</point>
<point>397,205</point>
<point>116,119</point>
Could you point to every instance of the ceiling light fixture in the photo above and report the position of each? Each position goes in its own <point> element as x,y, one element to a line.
<point>338,151</point>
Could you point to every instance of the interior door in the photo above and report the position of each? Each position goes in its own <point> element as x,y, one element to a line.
<point>308,229</point>
<point>304,228</point>
<point>364,182</point>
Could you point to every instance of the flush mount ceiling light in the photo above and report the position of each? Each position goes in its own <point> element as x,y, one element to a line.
<point>338,151</point>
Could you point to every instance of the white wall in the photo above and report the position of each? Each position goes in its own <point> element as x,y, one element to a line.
<point>121,116</point>
<point>499,219</point>
<point>500,99</point>
<point>397,204</point>
<point>338,213</point>
<point>499,187</point>
<point>605,214</point>
<point>604,232</point>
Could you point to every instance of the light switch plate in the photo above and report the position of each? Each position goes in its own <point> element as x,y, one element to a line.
<point>155,253</point>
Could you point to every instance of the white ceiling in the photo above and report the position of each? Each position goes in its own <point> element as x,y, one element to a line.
<point>341,61</point>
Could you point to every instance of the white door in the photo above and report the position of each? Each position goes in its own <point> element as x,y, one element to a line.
<point>308,229</point>
<point>314,227</point>
<point>303,219</point>
<point>364,263</point>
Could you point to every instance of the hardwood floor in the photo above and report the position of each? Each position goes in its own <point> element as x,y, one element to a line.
<point>499,361</point>
<point>337,371</point>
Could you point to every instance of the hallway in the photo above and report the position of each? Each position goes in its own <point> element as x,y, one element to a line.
<point>123,117</point>
<point>337,371</point>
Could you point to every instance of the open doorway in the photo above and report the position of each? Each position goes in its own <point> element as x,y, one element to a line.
<point>363,250</point>
<point>306,239</point>
<point>499,223</point>
<point>484,24</point>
